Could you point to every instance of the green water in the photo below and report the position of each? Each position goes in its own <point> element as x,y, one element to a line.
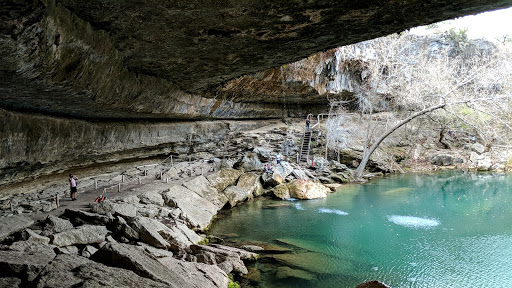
<point>446,230</point>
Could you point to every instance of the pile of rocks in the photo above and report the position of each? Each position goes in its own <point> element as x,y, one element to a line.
<point>148,238</point>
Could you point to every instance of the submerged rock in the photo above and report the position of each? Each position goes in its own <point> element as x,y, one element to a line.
<point>287,272</point>
<point>372,284</point>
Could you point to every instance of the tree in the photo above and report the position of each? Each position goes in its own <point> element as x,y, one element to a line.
<point>466,81</point>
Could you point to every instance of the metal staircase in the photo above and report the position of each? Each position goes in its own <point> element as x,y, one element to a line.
<point>306,145</point>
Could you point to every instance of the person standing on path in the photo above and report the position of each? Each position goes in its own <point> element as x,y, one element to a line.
<point>307,124</point>
<point>72,185</point>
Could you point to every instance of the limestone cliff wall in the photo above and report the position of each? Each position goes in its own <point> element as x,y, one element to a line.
<point>34,144</point>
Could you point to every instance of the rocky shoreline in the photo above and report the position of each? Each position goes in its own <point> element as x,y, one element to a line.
<point>154,233</point>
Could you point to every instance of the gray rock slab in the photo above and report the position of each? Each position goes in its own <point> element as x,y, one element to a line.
<point>67,271</point>
<point>13,224</point>
<point>236,195</point>
<point>131,258</point>
<point>198,211</point>
<point>198,274</point>
<point>224,178</point>
<point>86,234</point>
<point>54,224</point>
<point>22,265</point>
<point>11,282</point>
<point>202,187</point>
<point>79,217</point>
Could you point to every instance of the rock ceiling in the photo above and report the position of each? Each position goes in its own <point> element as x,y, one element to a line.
<point>127,59</point>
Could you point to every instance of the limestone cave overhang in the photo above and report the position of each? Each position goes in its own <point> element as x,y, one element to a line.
<point>126,59</point>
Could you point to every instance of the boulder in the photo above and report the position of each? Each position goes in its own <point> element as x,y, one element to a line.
<point>251,182</point>
<point>22,265</point>
<point>54,224</point>
<point>88,251</point>
<point>13,224</point>
<point>79,217</point>
<point>151,197</point>
<point>236,195</point>
<point>148,210</point>
<point>242,253</point>
<point>282,191</point>
<point>337,166</point>
<point>67,271</point>
<point>478,148</point>
<point>484,164</point>
<point>249,162</point>
<point>198,211</point>
<point>304,189</point>
<point>197,274</point>
<point>86,234</point>
<point>441,160</point>
<point>32,236</point>
<point>320,162</point>
<point>228,261</point>
<point>202,187</point>
<point>131,258</point>
<point>299,174</point>
<point>284,169</point>
<point>264,154</point>
<point>123,229</point>
<point>34,248</point>
<point>224,178</point>
<point>176,236</point>
<point>271,180</point>
<point>108,207</point>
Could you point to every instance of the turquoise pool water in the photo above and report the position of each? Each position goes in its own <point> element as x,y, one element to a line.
<point>445,230</point>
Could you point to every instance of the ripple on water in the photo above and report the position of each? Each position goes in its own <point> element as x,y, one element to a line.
<point>413,222</point>
<point>332,211</point>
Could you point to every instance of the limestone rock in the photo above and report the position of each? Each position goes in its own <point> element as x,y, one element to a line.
<point>226,260</point>
<point>129,257</point>
<point>304,189</point>
<point>224,178</point>
<point>123,209</point>
<point>484,164</point>
<point>478,148</point>
<point>202,187</point>
<point>32,236</point>
<point>121,227</point>
<point>67,271</point>
<point>252,248</point>
<point>154,252</point>
<point>243,254</point>
<point>320,162</point>
<point>22,265</point>
<point>12,224</point>
<point>85,234</point>
<point>264,154</point>
<point>79,217</point>
<point>148,210</point>
<point>282,191</point>
<point>197,274</point>
<point>88,251</point>
<point>249,162</point>
<point>176,236</point>
<point>11,282</point>
<point>197,210</point>
<point>271,180</point>
<point>441,160</point>
<point>151,197</point>
<point>236,195</point>
<point>33,248</point>
<point>299,174</point>
<point>251,182</point>
<point>54,224</point>
<point>284,169</point>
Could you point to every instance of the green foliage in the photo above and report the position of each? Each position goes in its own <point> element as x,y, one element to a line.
<point>460,37</point>
<point>205,241</point>
<point>232,283</point>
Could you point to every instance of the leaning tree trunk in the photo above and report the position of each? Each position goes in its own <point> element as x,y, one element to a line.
<point>369,152</point>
